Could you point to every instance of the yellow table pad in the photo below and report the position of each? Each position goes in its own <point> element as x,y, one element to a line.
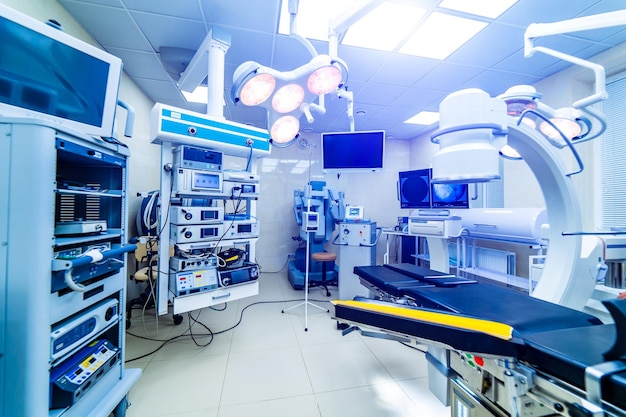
<point>496,329</point>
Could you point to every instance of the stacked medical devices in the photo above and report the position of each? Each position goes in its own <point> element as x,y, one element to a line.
<point>209,211</point>
<point>63,280</point>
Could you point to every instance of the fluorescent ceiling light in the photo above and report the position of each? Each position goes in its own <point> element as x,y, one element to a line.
<point>486,8</point>
<point>424,118</point>
<point>394,20</point>
<point>440,35</point>
<point>199,95</point>
<point>313,17</point>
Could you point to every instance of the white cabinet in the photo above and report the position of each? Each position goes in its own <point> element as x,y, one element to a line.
<point>63,273</point>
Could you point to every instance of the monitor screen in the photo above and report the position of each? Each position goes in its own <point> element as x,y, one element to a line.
<point>353,151</point>
<point>47,74</point>
<point>449,196</point>
<point>414,189</point>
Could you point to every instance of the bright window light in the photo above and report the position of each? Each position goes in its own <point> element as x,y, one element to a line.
<point>424,118</point>
<point>440,35</point>
<point>313,17</point>
<point>199,95</point>
<point>394,20</point>
<point>486,8</point>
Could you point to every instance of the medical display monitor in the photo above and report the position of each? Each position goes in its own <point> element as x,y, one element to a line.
<point>47,74</point>
<point>353,151</point>
<point>449,196</point>
<point>414,189</point>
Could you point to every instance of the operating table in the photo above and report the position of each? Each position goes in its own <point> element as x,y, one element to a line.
<point>506,353</point>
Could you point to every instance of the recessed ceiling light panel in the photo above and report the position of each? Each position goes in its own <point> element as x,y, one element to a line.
<point>384,27</point>
<point>440,35</point>
<point>486,8</point>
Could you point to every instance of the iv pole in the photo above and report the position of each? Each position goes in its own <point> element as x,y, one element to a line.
<point>306,302</point>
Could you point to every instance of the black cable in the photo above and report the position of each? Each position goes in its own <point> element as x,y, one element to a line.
<point>211,333</point>
<point>195,321</point>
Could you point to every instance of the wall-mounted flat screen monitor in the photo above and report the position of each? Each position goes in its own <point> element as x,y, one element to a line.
<point>47,74</point>
<point>414,189</point>
<point>449,196</point>
<point>353,151</point>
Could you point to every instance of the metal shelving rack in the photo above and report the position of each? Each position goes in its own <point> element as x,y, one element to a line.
<point>38,160</point>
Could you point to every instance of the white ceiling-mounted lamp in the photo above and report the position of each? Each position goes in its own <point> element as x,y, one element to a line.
<point>567,121</point>
<point>287,95</point>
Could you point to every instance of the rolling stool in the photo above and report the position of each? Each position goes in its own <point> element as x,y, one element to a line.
<point>324,258</point>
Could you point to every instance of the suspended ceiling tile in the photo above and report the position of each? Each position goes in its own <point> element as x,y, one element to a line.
<point>141,64</point>
<point>525,12</point>
<point>111,27</point>
<point>362,63</point>
<point>482,51</point>
<point>257,16</point>
<point>383,94</point>
<point>113,3</point>
<point>418,98</point>
<point>403,70</point>
<point>189,9</point>
<point>446,77</point>
<point>287,53</point>
<point>495,82</point>
<point>170,31</point>
<point>248,46</point>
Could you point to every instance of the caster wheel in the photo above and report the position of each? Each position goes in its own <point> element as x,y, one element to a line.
<point>177,319</point>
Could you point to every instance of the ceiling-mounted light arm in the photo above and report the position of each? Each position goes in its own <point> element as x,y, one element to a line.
<point>293,7</point>
<point>307,107</point>
<point>349,95</point>
<point>598,70</point>
<point>338,26</point>
<point>599,21</point>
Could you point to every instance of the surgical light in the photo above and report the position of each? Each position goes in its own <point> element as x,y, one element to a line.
<point>324,80</point>
<point>284,129</point>
<point>288,98</point>
<point>286,95</point>
<point>257,89</point>
<point>568,121</point>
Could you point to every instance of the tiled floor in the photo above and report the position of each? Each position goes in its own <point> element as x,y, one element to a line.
<point>268,366</point>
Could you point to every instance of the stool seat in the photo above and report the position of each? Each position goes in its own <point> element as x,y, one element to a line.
<point>142,273</point>
<point>324,256</point>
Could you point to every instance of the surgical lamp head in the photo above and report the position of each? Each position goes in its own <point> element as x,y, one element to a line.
<point>286,95</point>
<point>524,101</point>
<point>472,130</point>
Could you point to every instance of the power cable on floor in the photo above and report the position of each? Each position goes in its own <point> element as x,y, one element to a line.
<point>211,334</point>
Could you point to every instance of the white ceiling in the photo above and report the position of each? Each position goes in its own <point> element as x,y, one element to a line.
<point>388,87</point>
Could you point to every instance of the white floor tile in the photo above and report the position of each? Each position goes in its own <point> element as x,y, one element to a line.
<point>302,406</point>
<point>178,385</point>
<point>265,375</point>
<point>427,403</point>
<point>347,364</point>
<point>402,362</point>
<point>262,363</point>
<point>380,400</point>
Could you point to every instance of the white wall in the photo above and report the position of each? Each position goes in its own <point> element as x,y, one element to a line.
<point>287,169</point>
